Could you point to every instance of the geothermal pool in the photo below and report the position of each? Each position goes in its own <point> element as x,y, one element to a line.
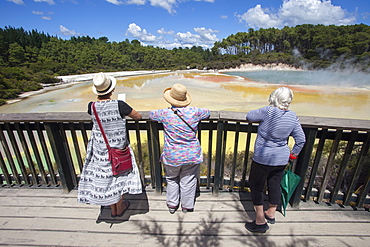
<point>321,95</point>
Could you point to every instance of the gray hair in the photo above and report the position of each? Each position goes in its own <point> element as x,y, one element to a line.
<point>281,98</point>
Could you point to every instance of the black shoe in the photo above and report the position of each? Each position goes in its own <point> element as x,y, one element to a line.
<point>172,209</point>
<point>270,220</point>
<point>253,227</point>
<point>185,210</point>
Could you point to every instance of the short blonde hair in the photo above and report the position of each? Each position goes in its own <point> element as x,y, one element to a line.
<point>281,98</point>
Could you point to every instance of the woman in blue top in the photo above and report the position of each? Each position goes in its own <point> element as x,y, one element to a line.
<point>271,153</point>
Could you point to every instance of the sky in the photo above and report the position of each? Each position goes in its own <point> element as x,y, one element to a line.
<point>174,23</point>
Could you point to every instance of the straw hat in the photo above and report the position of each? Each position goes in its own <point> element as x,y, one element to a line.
<point>103,84</point>
<point>177,95</point>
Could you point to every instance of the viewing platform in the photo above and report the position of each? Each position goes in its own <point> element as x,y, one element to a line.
<point>50,217</point>
<point>42,154</point>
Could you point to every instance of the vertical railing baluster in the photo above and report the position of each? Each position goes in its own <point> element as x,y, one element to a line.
<point>223,155</point>
<point>8,154</point>
<point>156,154</point>
<point>219,149</point>
<point>57,140</point>
<point>151,156</point>
<point>67,149</point>
<point>356,173</point>
<point>235,155</point>
<point>329,165</point>
<point>76,145</point>
<point>343,166</point>
<point>303,162</point>
<point>209,159</point>
<point>84,135</point>
<point>246,156</point>
<point>46,153</point>
<point>315,164</point>
<point>364,192</point>
<point>30,163</point>
<point>140,161</point>
<point>18,154</point>
<point>5,171</point>
<point>36,153</point>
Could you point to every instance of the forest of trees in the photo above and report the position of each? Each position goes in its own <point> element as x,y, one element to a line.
<point>29,59</point>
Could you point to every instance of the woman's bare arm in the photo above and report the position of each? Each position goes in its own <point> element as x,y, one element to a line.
<point>135,115</point>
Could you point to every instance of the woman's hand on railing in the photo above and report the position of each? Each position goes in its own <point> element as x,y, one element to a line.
<point>292,156</point>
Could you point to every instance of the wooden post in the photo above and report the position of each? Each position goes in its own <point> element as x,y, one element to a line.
<point>302,164</point>
<point>156,155</point>
<point>61,156</point>
<point>219,142</point>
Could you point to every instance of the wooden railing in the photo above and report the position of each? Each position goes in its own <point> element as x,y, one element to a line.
<point>48,149</point>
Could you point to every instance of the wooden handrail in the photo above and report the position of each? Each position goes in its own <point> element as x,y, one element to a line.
<point>306,121</point>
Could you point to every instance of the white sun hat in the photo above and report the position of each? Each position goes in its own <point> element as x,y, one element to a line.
<point>103,84</point>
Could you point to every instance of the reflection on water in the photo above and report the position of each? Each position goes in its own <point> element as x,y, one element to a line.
<point>213,91</point>
<point>313,78</point>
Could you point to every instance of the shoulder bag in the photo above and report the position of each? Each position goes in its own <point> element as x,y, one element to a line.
<point>120,158</point>
<point>176,112</point>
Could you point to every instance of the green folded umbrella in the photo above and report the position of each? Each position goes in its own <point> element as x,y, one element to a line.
<point>288,185</point>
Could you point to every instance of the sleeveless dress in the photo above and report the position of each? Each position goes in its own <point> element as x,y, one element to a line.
<point>97,184</point>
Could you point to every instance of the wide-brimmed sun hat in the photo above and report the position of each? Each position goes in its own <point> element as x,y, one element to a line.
<point>177,95</point>
<point>103,84</point>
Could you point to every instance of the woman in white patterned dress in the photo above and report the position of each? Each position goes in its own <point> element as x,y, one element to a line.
<point>97,184</point>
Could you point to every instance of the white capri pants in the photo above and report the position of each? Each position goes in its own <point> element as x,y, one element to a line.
<point>181,185</point>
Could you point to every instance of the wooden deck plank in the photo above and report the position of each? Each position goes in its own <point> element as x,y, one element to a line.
<point>143,240</point>
<point>208,224</point>
<point>234,216</point>
<point>48,217</point>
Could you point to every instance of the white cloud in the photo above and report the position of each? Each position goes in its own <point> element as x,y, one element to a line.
<point>67,32</point>
<point>140,34</point>
<point>224,17</point>
<point>205,37</point>
<point>19,2</point>
<point>42,13</point>
<point>37,12</point>
<point>168,5</point>
<point>137,2</point>
<point>201,37</point>
<point>50,2</point>
<point>296,12</point>
<point>257,17</point>
<point>115,2</point>
<point>162,32</point>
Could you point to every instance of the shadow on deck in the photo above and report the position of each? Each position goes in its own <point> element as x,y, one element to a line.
<point>49,217</point>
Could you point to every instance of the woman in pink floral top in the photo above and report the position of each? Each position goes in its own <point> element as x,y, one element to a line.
<point>182,152</point>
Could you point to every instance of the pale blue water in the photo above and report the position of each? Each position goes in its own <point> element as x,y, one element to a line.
<point>321,78</point>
